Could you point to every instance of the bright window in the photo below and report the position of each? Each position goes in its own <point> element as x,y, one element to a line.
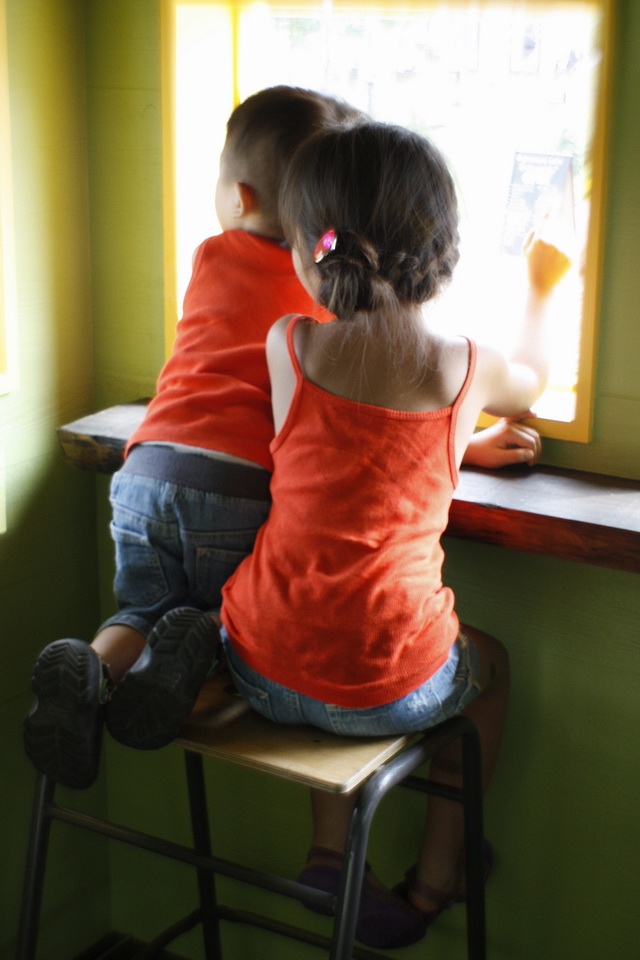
<point>513,92</point>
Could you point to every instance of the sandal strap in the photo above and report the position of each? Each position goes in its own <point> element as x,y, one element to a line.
<point>326,854</point>
<point>425,890</point>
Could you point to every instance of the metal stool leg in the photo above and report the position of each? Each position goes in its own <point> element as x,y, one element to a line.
<point>378,785</point>
<point>395,772</point>
<point>474,860</point>
<point>35,869</point>
<point>353,867</point>
<point>202,844</point>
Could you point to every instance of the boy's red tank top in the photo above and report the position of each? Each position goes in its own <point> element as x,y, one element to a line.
<point>214,391</point>
<point>342,598</point>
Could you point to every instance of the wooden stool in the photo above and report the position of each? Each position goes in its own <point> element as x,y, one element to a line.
<point>222,726</point>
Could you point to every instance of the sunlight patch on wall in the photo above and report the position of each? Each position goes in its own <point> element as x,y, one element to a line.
<point>8,329</point>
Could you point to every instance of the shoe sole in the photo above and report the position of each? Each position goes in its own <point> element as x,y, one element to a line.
<point>62,733</point>
<point>149,706</point>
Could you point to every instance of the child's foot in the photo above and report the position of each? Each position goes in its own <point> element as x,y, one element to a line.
<point>385,919</point>
<point>432,901</point>
<point>63,730</point>
<point>154,698</point>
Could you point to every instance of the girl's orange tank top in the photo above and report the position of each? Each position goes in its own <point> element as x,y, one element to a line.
<point>342,598</point>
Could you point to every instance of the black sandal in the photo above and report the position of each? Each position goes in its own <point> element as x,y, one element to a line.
<point>385,919</point>
<point>154,698</point>
<point>63,731</point>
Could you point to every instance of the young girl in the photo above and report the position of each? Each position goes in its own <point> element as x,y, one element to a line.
<point>339,618</point>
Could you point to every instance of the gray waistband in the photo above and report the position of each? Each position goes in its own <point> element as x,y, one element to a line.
<point>199,472</point>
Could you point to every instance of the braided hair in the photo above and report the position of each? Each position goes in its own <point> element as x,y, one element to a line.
<point>389,196</point>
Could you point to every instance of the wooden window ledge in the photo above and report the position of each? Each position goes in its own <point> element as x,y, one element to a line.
<point>584,517</point>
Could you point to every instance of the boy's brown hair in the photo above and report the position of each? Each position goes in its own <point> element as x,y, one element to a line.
<point>264,132</point>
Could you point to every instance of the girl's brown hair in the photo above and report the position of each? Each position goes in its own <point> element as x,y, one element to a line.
<point>388,194</point>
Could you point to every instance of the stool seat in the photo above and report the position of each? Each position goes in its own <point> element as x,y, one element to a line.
<point>223,726</point>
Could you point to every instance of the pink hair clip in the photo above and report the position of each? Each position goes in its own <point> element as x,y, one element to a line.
<point>326,244</point>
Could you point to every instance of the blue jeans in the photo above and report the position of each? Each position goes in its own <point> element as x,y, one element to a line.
<point>176,545</point>
<point>446,694</point>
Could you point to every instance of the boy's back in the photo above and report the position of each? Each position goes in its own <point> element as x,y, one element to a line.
<point>214,392</point>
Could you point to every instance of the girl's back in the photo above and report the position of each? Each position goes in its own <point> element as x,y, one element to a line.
<point>347,361</point>
<point>351,552</point>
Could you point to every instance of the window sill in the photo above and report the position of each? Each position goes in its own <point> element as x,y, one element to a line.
<point>583,517</point>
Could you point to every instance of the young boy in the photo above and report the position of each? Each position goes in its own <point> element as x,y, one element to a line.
<point>194,488</point>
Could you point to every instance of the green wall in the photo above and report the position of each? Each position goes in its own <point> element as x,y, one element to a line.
<point>48,583</point>
<point>84,88</point>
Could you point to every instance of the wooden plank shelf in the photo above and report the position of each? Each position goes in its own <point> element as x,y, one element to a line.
<point>587,518</point>
<point>96,442</point>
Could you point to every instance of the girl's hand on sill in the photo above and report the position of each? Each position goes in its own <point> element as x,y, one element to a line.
<point>503,444</point>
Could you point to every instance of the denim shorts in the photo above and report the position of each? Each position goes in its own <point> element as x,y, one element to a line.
<point>176,545</point>
<point>446,694</point>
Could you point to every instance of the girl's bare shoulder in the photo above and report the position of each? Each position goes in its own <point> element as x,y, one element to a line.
<point>447,365</point>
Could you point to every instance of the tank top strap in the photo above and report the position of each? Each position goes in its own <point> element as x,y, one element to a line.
<point>285,429</point>
<point>469,377</point>
<point>295,363</point>
<point>456,408</point>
